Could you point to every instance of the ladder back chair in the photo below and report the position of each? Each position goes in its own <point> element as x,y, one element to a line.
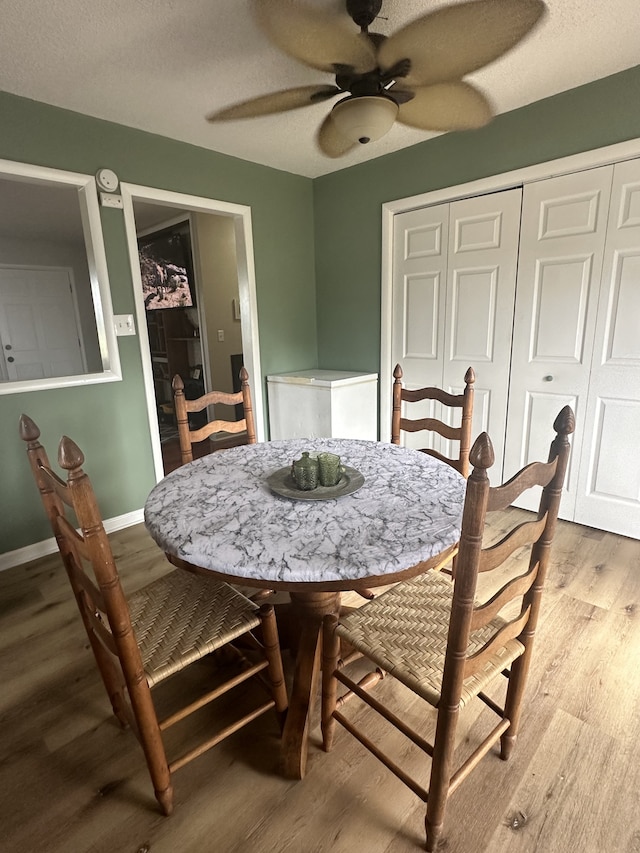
<point>437,639</point>
<point>159,630</point>
<point>461,433</point>
<point>188,437</point>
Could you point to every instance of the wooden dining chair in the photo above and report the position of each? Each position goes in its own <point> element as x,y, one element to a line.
<point>460,433</point>
<point>140,641</point>
<point>440,642</point>
<point>188,437</point>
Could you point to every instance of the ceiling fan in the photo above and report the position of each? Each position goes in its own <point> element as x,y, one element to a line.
<point>413,77</point>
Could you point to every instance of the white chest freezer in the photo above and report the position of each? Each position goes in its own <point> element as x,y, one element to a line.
<point>323,404</point>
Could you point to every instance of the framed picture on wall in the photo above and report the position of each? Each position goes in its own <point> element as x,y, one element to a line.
<point>166,268</point>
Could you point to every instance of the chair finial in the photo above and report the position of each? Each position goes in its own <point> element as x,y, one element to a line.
<point>482,454</point>
<point>397,372</point>
<point>177,384</point>
<point>29,430</point>
<point>70,457</point>
<point>470,376</point>
<point>565,423</point>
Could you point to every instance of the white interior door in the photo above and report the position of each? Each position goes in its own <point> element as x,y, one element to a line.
<point>39,328</point>
<point>481,285</point>
<point>608,494</point>
<point>564,223</point>
<point>421,239</point>
<point>454,279</point>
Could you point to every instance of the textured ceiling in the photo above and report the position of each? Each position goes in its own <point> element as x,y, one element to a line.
<point>162,65</point>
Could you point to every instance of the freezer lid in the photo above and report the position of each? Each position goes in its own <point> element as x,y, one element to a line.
<point>327,378</point>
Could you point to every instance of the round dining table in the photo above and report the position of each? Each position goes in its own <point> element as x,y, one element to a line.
<point>237,514</point>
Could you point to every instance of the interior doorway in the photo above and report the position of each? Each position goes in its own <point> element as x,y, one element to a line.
<point>174,289</point>
<point>201,341</point>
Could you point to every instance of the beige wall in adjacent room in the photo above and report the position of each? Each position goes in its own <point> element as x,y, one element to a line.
<point>218,272</point>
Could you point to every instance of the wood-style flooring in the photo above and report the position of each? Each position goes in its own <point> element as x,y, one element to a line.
<point>73,782</point>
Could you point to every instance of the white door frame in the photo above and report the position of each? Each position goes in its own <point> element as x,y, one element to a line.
<point>539,172</point>
<point>247,291</point>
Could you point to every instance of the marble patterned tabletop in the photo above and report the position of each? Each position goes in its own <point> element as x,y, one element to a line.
<point>219,513</point>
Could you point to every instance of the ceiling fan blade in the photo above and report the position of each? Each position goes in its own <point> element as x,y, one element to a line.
<point>446,106</point>
<point>276,102</point>
<point>330,142</point>
<point>313,37</point>
<point>456,40</point>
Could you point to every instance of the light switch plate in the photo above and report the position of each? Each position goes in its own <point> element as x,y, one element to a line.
<point>110,200</point>
<point>124,324</point>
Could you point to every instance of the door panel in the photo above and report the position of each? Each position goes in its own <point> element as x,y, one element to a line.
<point>420,270</point>
<point>564,224</point>
<point>609,488</point>
<point>473,314</point>
<point>561,290</point>
<point>482,266</point>
<point>622,343</point>
<point>420,337</point>
<point>615,420</point>
<point>571,213</point>
<point>419,283</point>
<point>542,409</point>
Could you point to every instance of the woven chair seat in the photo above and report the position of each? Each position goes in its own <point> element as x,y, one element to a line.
<point>404,631</point>
<point>180,618</point>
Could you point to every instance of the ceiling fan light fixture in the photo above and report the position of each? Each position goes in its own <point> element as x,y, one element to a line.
<point>364,118</point>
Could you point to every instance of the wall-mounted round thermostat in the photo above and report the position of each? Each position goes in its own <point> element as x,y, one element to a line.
<point>107,180</point>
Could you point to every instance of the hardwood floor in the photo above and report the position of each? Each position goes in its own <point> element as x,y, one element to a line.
<point>73,782</point>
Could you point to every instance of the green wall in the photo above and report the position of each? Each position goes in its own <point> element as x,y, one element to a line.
<point>109,421</point>
<point>317,250</point>
<point>348,216</point>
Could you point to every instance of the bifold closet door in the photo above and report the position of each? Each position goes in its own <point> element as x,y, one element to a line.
<point>453,296</point>
<point>564,224</point>
<point>420,247</point>
<point>608,494</point>
<point>572,244</point>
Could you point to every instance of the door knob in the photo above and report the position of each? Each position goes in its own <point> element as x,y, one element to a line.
<point>7,346</point>
<point>547,378</point>
<point>11,358</point>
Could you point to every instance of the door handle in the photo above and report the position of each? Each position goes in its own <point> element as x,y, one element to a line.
<point>547,378</point>
<point>7,346</point>
<point>11,358</point>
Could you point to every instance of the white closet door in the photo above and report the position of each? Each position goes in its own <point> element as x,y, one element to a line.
<point>421,239</point>
<point>609,477</point>
<point>453,295</point>
<point>481,285</point>
<point>564,224</point>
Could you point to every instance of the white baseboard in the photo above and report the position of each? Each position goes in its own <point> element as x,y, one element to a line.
<point>49,546</point>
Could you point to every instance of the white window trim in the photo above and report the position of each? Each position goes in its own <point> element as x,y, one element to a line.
<point>98,276</point>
